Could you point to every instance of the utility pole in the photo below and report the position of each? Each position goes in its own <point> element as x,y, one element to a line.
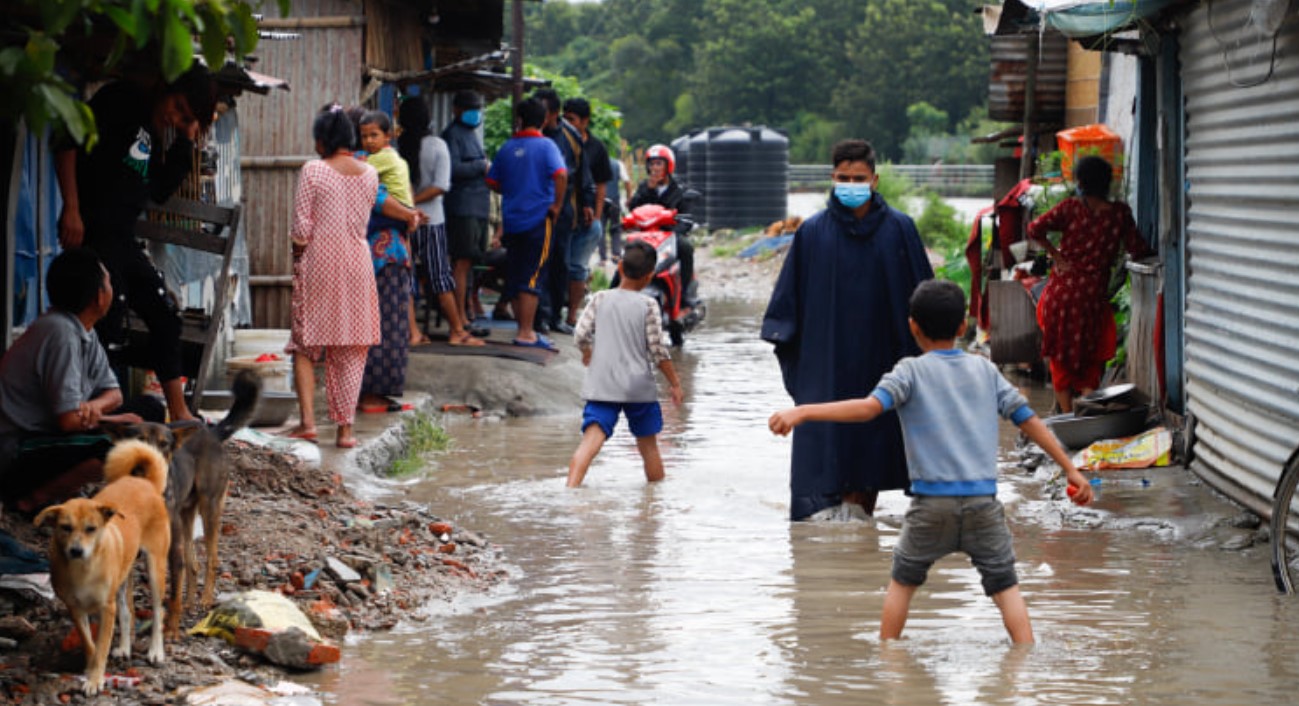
<point>516,56</point>
<point>1029,150</point>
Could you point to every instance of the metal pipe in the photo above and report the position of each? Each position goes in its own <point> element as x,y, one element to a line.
<point>280,162</point>
<point>335,22</point>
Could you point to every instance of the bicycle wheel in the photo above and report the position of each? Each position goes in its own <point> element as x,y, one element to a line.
<point>1283,507</point>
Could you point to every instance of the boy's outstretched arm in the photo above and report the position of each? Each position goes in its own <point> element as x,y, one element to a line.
<point>1039,434</point>
<point>860,410</point>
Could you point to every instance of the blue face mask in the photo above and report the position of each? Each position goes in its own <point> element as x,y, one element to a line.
<point>472,118</point>
<point>852,195</point>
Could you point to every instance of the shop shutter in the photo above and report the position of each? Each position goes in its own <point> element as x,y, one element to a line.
<point>1241,86</point>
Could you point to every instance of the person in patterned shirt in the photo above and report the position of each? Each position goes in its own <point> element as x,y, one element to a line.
<point>335,299</point>
<point>1078,331</point>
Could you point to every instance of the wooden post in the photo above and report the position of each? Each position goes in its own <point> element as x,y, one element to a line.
<point>1028,154</point>
<point>516,57</point>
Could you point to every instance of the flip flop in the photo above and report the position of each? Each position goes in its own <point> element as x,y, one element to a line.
<point>541,342</point>
<point>421,341</point>
<point>303,435</point>
<point>347,443</point>
<point>467,339</point>
<point>395,406</point>
<point>385,407</point>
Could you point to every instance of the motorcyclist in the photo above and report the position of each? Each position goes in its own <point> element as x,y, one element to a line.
<point>662,189</point>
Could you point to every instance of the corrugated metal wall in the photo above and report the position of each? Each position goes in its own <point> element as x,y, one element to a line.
<point>1242,237</point>
<point>321,66</point>
<point>1010,71</point>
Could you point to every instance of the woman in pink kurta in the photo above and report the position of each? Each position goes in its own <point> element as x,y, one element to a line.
<point>1078,332</point>
<point>335,301</point>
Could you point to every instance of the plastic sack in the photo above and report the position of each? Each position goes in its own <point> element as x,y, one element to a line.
<point>1149,449</point>
<point>271,625</point>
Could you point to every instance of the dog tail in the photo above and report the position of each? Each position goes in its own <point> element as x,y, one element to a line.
<point>127,456</point>
<point>247,389</point>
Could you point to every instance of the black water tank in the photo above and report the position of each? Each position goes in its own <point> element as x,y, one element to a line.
<point>748,176</point>
<point>681,149</point>
<point>699,175</point>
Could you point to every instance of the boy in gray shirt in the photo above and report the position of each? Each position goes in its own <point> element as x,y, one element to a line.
<point>620,335</point>
<point>948,403</point>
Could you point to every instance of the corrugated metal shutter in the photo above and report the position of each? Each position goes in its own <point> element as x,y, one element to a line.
<point>1242,238</point>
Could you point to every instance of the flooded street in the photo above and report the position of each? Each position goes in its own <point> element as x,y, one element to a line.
<point>698,590</point>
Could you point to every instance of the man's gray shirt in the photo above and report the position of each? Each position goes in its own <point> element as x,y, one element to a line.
<point>51,369</point>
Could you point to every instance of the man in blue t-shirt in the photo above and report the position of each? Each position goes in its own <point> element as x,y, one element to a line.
<point>531,176</point>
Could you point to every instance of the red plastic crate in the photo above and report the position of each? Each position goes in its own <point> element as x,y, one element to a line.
<point>1096,139</point>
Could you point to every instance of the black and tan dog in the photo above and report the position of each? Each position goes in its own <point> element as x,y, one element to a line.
<point>93,550</point>
<point>196,484</point>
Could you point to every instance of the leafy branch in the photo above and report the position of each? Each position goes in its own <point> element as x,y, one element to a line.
<point>42,42</point>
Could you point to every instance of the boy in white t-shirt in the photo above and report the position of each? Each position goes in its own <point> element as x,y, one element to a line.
<point>620,335</point>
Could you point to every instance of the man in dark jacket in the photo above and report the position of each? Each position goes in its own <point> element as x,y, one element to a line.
<point>577,112</point>
<point>468,203</point>
<point>838,316</point>
<point>579,209</point>
<point>106,189</point>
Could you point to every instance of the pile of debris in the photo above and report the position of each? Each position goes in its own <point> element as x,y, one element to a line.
<point>288,527</point>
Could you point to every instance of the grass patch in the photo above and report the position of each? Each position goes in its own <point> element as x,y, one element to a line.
<point>423,436</point>
<point>729,243</point>
<point>727,249</point>
<point>599,281</point>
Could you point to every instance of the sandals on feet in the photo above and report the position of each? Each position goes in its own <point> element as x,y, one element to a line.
<point>541,342</point>
<point>466,339</point>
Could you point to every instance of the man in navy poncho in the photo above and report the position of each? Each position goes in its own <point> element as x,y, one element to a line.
<point>838,317</point>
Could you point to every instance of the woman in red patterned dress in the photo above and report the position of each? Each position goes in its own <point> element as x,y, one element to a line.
<point>1078,332</point>
<point>335,301</point>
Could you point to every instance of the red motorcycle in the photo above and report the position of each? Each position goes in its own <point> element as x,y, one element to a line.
<point>659,227</point>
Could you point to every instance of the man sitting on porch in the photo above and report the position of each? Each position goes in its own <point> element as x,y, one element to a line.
<point>56,387</point>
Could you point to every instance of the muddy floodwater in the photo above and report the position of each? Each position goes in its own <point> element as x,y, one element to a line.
<point>698,590</point>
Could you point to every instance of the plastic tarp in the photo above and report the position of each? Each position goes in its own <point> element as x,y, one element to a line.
<point>1090,18</point>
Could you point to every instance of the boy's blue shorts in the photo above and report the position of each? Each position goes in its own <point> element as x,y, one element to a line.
<point>644,418</point>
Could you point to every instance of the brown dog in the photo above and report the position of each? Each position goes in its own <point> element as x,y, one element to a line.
<point>94,547</point>
<point>196,484</point>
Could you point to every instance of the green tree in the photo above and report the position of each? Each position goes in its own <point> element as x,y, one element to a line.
<point>43,38</point>
<point>907,51</point>
<point>754,66</point>
<point>606,119</point>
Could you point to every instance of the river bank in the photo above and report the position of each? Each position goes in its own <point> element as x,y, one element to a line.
<point>350,564</point>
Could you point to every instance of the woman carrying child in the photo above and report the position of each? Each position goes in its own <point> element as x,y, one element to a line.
<point>385,367</point>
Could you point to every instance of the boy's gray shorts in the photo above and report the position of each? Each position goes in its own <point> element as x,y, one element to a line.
<point>936,526</point>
